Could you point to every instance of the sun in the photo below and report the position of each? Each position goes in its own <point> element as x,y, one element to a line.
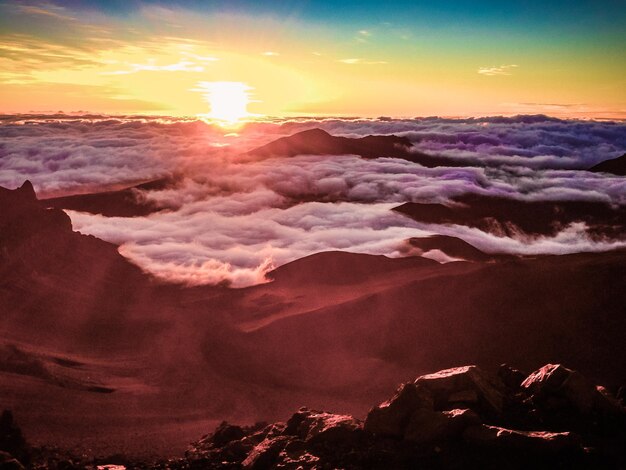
<point>228,101</point>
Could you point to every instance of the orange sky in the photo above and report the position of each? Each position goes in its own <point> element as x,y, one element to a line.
<point>156,59</point>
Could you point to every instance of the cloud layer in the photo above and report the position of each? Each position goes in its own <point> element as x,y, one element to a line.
<point>230,219</point>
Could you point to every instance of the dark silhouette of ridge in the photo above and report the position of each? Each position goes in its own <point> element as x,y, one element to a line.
<point>500,215</point>
<point>319,142</point>
<point>125,202</point>
<point>339,267</point>
<point>451,246</point>
<point>61,280</point>
<point>615,166</point>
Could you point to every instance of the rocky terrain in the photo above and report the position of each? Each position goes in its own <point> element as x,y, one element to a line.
<point>456,418</point>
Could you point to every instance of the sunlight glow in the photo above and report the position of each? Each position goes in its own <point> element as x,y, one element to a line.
<point>228,101</point>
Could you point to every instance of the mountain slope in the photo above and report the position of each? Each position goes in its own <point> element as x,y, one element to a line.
<point>320,142</point>
<point>616,166</point>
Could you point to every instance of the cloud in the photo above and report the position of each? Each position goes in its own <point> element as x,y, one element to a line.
<point>201,243</point>
<point>46,9</point>
<point>501,70</point>
<point>151,66</point>
<point>231,220</point>
<point>362,36</point>
<point>572,239</point>
<point>356,61</point>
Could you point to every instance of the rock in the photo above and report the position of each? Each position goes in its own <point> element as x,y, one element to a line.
<point>27,191</point>
<point>608,404</point>
<point>531,441</point>
<point>428,426</point>
<point>510,377</point>
<point>296,456</point>
<point>265,454</point>
<point>8,462</point>
<point>320,427</point>
<point>468,385</point>
<point>555,387</point>
<point>270,431</point>
<point>391,417</point>
<point>226,433</point>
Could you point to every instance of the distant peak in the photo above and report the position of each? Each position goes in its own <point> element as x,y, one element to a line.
<point>27,189</point>
<point>313,132</point>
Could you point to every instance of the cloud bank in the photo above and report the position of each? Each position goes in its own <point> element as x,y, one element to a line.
<point>231,220</point>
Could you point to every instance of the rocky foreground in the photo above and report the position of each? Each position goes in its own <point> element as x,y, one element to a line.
<point>455,418</point>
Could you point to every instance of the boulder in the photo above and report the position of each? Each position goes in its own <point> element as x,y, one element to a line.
<point>428,426</point>
<point>265,454</point>
<point>555,387</point>
<point>391,417</point>
<point>295,456</point>
<point>8,462</point>
<point>531,441</point>
<point>226,433</point>
<point>317,427</point>
<point>510,377</point>
<point>469,386</point>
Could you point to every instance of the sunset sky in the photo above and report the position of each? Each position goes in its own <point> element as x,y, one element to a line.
<point>285,58</point>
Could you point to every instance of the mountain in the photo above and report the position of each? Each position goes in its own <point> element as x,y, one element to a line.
<point>58,283</point>
<point>319,142</point>
<point>126,202</point>
<point>501,215</point>
<point>452,247</point>
<point>615,166</point>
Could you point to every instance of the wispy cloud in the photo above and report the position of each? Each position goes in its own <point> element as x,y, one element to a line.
<point>363,35</point>
<point>500,70</point>
<point>356,61</point>
<point>181,66</point>
<point>45,9</point>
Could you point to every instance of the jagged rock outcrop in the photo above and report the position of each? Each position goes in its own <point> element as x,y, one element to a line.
<point>505,216</point>
<point>455,418</point>
<point>126,202</point>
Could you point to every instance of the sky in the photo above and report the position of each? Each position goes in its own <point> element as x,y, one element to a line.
<point>236,59</point>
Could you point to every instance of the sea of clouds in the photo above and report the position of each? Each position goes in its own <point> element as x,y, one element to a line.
<point>231,218</point>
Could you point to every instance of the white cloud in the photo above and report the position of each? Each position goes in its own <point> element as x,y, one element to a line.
<point>500,70</point>
<point>232,219</point>
<point>151,66</point>
<point>356,61</point>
